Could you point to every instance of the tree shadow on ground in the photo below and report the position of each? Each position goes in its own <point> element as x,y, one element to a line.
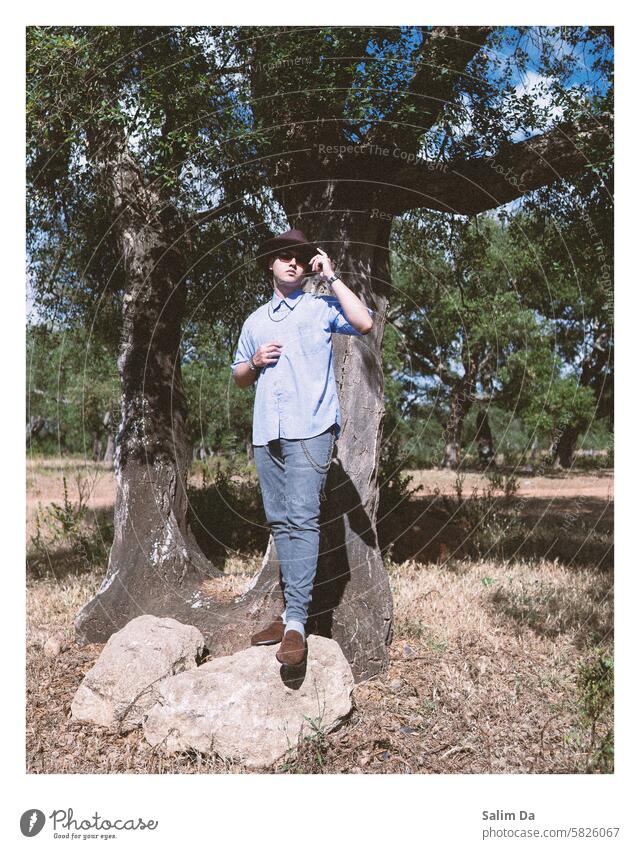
<point>551,610</point>
<point>575,530</point>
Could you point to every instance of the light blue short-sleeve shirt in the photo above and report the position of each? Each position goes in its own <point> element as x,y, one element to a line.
<point>296,397</point>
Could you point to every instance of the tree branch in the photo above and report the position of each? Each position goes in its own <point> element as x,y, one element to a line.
<point>470,186</point>
<point>445,53</point>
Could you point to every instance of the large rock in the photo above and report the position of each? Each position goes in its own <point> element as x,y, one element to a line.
<point>121,687</point>
<point>241,707</point>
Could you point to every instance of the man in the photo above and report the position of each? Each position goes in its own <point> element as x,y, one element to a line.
<point>285,348</point>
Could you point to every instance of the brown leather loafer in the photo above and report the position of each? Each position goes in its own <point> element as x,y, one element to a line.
<point>269,636</point>
<point>293,649</point>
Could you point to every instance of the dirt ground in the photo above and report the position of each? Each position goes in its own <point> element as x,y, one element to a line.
<point>570,484</point>
<point>45,484</point>
<point>485,664</point>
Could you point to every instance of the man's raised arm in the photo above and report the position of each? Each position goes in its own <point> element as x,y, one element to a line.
<point>355,311</point>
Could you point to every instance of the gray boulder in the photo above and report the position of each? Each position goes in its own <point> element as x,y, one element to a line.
<point>119,690</point>
<point>240,707</point>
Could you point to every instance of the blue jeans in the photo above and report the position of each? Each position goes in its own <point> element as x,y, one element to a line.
<point>292,474</point>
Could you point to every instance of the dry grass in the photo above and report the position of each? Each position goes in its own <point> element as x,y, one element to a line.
<point>484,666</point>
<point>482,679</point>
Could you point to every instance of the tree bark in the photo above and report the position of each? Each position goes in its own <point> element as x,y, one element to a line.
<point>155,565</point>
<point>35,426</point>
<point>461,401</point>
<point>110,450</point>
<point>565,447</point>
<point>453,434</point>
<point>352,599</point>
<point>471,186</point>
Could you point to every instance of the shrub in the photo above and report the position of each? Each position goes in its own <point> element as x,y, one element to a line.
<point>595,693</point>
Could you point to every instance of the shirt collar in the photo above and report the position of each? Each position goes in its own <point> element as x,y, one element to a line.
<point>290,300</point>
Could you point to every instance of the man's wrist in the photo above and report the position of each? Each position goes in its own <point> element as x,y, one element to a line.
<point>332,279</point>
<point>252,365</point>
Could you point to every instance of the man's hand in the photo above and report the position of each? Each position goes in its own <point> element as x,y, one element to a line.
<point>322,264</point>
<point>267,354</point>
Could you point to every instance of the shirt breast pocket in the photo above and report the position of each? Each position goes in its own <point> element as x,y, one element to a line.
<point>311,343</point>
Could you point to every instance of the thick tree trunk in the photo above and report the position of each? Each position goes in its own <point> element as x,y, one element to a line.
<point>565,447</point>
<point>462,395</point>
<point>155,565</point>
<point>110,450</point>
<point>352,598</point>
<point>35,426</point>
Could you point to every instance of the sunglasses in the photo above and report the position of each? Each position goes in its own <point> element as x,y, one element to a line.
<point>287,256</point>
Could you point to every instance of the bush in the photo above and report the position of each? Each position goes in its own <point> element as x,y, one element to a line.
<point>595,692</point>
<point>592,462</point>
<point>487,530</point>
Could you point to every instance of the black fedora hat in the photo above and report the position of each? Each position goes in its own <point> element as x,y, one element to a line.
<point>289,240</point>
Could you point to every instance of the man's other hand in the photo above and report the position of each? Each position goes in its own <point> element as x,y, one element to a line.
<point>267,354</point>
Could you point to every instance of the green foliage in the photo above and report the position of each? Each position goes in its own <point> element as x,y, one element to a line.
<point>72,382</point>
<point>212,117</point>
<point>484,333</point>
<point>595,692</point>
<point>564,403</point>
<point>169,98</point>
